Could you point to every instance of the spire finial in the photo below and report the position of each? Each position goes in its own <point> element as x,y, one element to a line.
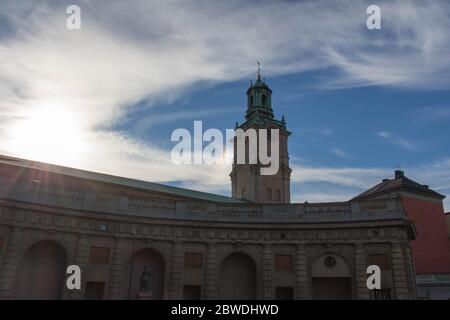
<point>259,70</point>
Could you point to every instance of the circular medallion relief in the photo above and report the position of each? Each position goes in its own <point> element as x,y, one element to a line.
<point>330,262</point>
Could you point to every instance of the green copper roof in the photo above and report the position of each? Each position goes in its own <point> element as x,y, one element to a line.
<point>260,83</point>
<point>259,110</point>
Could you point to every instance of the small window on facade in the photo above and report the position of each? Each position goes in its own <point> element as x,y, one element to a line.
<point>269,194</point>
<point>283,262</point>
<point>277,195</point>
<point>193,260</point>
<point>99,255</point>
<point>381,260</point>
<point>243,195</point>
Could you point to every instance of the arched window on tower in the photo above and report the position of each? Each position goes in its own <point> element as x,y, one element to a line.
<point>264,98</point>
<point>277,195</point>
<point>269,194</point>
<point>243,195</point>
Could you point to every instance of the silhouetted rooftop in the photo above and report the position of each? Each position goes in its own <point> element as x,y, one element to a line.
<point>399,183</point>
<point>106,178</point>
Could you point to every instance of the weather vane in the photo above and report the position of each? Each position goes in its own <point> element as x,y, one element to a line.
<point>259,69</point>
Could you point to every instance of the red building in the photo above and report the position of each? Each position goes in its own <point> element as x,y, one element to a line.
<point>431,248</point>
<point>447,217</point>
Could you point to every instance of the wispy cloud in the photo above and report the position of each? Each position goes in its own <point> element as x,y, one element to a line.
<point>391,138</point>
<point>322,192</point>
<point>63,89</point>
<point>351,177</point>
<point>154,119</point>
<point>327,132</point>
<point>339,152</point>
<point>430,114</point>
<point>318,184</point>
<point>383,134</point>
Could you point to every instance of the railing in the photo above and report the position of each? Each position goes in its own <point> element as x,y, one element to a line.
<point>152,207</point>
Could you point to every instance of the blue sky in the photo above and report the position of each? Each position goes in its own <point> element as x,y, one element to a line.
<point>359,103</point>
<point>364,127</point>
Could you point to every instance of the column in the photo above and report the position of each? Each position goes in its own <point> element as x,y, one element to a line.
<point>115,285</point>
<point>267,272</point>
<point>398,270</point>
<point>176,271</point>
<point>80,259</point>
<point>362,292</point>
<point>209,283</point>
<point>10,266</point>
<point>302,281</point>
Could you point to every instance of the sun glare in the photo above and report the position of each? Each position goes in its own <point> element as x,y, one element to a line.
<point>49,134</point>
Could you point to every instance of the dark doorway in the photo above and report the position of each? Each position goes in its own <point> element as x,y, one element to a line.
<point>237,279</point>
<point>41,274</point>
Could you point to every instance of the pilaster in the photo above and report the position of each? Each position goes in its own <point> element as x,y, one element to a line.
<point>10,265</point>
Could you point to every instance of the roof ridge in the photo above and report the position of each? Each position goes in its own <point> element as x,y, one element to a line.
<point>115,179</point>
<point>402,182</point>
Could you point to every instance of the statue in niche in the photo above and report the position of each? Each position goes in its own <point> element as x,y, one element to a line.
<point>145,282</point>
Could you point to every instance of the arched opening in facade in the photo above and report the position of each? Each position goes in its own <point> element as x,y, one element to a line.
<point>42,272</point>
<point>237,278</point>
<point>155,262</point>
<point>331,278</point>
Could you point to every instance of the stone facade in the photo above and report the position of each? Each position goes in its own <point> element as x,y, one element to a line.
<point>169,230</point>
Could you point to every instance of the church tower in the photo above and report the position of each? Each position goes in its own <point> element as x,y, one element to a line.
<point>246,179</point>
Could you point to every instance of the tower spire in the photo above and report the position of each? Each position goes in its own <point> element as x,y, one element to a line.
<point>247,180</point>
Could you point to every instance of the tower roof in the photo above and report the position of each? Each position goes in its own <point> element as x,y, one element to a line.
<point>259,104</point>
<point>260,83</point>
